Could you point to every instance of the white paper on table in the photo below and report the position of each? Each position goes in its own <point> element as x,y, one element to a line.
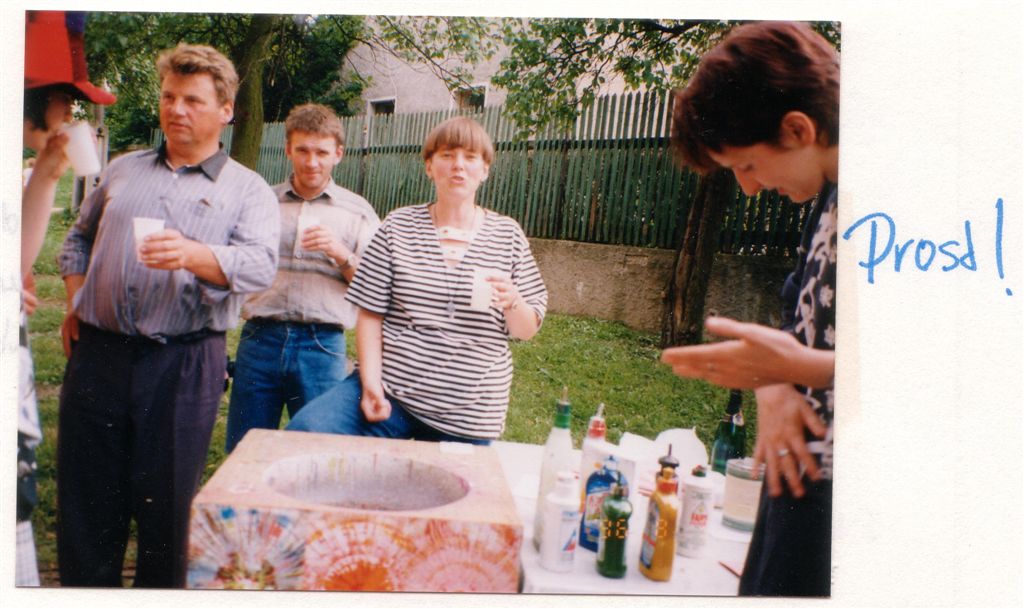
<point>686,447</point>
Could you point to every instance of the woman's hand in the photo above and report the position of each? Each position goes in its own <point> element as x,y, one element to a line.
<point>782,416</point>
<point>758,356</point>
<point>504,293</point>
<point>29,300</point>
<point>374,404</point>
<point>52,161</point>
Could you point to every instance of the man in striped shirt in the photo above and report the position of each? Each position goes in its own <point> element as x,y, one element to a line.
<point>292,347</point>
<point>145,328</point>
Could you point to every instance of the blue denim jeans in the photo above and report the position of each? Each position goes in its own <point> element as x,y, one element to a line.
<point>337,411</point>
<point>281,364</point>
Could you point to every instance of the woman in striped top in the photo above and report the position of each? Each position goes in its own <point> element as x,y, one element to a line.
<point>434,364</point>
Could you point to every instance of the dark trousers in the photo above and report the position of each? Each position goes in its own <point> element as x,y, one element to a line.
<point>134,429</point>
<point>791,549</point>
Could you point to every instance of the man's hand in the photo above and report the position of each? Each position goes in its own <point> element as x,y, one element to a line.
<point>320,239</point>
<point>758,356</point>
<point>69,332</point>
<point>167,250</point>
<point>374,405</point>
<point>782,416</point>
<point>69,327</point>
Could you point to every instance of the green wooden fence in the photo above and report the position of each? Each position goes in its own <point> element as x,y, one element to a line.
<point>609,179</point>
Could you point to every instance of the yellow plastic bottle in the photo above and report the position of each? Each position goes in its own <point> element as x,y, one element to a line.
<point>658,545</point>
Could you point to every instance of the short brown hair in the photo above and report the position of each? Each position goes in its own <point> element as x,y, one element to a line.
<point>201,59</point>
<point>459,132</point>
<point>746,85</point>
<point>316,119</point>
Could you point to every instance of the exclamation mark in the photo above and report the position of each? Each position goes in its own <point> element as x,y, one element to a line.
<point>999,241</point>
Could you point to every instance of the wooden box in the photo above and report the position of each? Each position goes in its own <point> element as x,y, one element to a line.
<point>294,510</point>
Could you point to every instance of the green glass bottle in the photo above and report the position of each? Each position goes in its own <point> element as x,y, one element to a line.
<point>611,546</point>
<point>731,438</point>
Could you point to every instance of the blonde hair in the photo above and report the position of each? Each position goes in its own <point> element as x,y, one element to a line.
<point>459,132</point>
<point>201,59</point>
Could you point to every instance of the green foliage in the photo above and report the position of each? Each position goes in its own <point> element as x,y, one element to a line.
<point>60,222</point>
<point>556,67</point>
<point>303,64</point>
<point>603,361</point>
<point>122,49</point>
<point>447,45</point>
<point>568,61</point>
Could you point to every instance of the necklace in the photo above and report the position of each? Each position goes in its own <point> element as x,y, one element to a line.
<point>452,233</point>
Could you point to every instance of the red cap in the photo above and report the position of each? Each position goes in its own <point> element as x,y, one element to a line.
<point>55,53</point>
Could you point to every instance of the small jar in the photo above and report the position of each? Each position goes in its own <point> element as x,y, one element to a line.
<point>742,493</point>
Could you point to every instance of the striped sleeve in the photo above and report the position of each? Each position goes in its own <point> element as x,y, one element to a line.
<point>527,276</point>
<point>371,287</point>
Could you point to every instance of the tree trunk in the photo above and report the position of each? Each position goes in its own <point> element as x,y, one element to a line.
<point>249,58</point>
<point>683,320</point>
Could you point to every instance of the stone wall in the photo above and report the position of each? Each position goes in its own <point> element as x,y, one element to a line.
<point>627,284</point>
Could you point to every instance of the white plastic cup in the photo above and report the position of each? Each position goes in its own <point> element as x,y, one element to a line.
<point>305,221</point>
<point>480,300</point>
<point>81,149</point>
<point>144,227</point>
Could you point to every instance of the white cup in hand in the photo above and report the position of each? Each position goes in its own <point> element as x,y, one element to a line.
<point>305,221</point>
<point>480,300</point>
<point>144,227</point>
<point>81,149</point>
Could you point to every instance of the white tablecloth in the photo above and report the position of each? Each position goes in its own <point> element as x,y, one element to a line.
<point>690,576</point>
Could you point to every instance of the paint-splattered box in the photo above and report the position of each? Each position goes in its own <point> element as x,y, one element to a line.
<point>305,511</point>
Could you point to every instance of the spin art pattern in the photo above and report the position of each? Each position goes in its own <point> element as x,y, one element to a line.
<point>287,511</point>
<point>246,549</point>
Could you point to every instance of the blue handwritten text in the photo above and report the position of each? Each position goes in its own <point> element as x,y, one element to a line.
<point>924,254</point>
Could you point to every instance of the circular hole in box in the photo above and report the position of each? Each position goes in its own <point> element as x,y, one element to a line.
<point>365,481</point>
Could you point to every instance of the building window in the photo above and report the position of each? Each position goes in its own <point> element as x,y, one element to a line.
<point>470,98</point>
<point>382,106</point>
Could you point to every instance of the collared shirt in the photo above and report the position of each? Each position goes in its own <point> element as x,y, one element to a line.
<point>309,286</point>
<point>218,202</point>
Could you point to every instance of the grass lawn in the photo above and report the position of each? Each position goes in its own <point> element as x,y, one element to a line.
<point>600,361</point>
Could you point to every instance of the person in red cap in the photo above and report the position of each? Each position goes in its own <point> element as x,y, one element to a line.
<point>55,77</point>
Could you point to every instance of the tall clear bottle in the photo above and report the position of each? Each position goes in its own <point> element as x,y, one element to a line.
<point>558,456</point>
<point>731,437</point>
